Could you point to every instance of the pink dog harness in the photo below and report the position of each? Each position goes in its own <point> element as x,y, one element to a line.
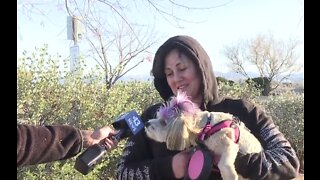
<point>209,129</point>
<point>202,162</point>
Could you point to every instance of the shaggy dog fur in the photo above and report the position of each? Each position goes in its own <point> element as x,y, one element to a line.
<point>178,126</point>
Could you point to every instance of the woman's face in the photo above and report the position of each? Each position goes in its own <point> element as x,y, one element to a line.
<point>182,75</point>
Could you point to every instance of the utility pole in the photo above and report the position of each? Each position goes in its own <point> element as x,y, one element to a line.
<point>74,33</point>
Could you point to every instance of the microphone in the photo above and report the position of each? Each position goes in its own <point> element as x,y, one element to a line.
<point>127,124</point>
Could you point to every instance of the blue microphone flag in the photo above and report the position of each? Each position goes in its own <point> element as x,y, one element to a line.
<point>133,121</point>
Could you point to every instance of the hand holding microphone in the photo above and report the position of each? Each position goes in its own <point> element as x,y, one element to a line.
<point>99,136</point>
<point>126,125</point>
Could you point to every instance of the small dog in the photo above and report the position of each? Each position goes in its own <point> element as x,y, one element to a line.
<point>181,125</point>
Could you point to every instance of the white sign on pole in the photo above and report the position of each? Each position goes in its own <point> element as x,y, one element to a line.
<point>74,57</point>
<point>70,28</point>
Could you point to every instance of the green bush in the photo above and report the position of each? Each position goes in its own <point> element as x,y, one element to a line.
<point>224,80</point>
<point>48,94</point>
<point>287,111</point>
<point>262,83</point>
<point>239,90</point>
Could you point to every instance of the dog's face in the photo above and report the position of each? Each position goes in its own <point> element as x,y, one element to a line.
<point>180,132</point>
<point>179,122</point>
<point>157,129</point>
<point>176,132</point>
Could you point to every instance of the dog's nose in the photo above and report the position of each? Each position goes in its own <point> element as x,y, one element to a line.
<point>147,124</point>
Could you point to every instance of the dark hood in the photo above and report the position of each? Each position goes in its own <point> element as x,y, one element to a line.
<point>195,51</point>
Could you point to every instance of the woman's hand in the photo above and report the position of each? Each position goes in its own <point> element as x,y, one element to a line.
<point>180,163</point>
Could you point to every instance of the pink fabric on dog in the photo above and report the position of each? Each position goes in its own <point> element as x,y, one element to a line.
<point>211,129</point>
<point>196,164</point>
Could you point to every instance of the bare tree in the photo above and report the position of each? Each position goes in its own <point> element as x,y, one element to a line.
<point>274,60</point>
<point>168,9</point>
<point>122,53</point>
<point>116,42</point>
<point>112,35</point>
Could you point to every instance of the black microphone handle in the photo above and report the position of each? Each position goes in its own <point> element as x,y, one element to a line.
<point>94,154</point>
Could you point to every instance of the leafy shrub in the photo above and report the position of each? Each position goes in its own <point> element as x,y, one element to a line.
<point>262,83</point>
<point>287,111</point>
<point>224,80</point>
<point>239,90</point>
<point>49,94</point>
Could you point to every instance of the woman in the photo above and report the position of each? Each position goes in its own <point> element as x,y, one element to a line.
<point>182,64</point>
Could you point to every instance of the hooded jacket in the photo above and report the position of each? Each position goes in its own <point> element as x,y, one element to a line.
<point>146,159</point>
<point>41,144</point>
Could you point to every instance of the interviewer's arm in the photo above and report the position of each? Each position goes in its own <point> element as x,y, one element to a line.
<point>40,144</point>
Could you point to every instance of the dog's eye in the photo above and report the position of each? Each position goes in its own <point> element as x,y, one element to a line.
<point>163,123</point>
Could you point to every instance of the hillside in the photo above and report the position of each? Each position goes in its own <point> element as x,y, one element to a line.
<point>295,78</point>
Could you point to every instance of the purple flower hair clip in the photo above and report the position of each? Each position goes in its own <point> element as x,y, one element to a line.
<point>179,104</point>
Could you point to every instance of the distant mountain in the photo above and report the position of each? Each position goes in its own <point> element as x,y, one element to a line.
<point>138,77</point>
<point>297,78</point>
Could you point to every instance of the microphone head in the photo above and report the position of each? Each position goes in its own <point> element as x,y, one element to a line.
<point>128,123</point>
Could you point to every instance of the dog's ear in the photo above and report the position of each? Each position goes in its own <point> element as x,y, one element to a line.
<point>178,135</point>
<point>202,118</point>
<point>192,123</point>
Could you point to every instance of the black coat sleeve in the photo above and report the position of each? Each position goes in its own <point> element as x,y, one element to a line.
<point>41,144</point>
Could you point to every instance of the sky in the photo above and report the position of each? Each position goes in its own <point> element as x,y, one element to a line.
<point>216,28</point>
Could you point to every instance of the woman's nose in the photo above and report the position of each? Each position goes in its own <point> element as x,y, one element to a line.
<point>177,77</point>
